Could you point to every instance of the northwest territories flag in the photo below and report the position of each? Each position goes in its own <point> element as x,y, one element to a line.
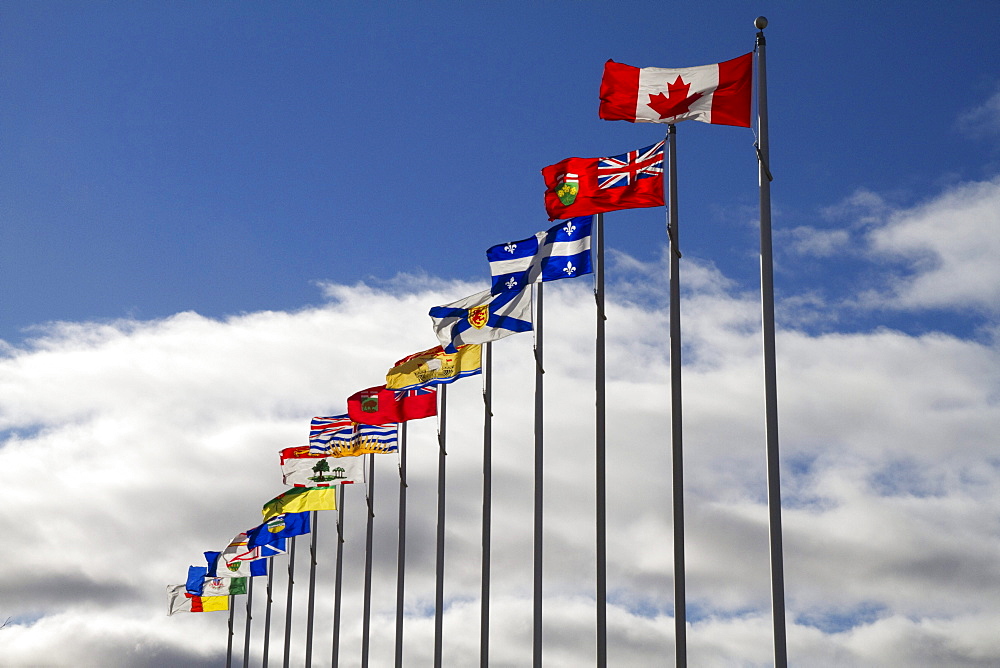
<point>562,251</point>
<point>179,600</point>
<point>220,567</point>
<point>309,466</point>
<point>322,429</point>
<point>278,528</point>
<point>481,318</point>
<point>201,585</point>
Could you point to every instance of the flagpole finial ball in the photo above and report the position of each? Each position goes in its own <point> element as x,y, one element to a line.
<point>760,23</point>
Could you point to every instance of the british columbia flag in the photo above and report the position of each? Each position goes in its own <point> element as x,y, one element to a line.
<point>322,429</point>
<point>626,169</point>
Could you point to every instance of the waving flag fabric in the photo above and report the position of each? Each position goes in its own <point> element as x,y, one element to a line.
<point>562,251</point>
<point>322,429</point>
<point>278,528</point>
<point>365,439</point>
<point>242,565</point>
<point>216,586</point>
<point>301,499</point>
<point>434,367</point>
<point>718,93</point>
<point>584,186</point>
<point>481,318</point>
<point>379,405</point>
<point>179,600</point>
<point>308,466</point>
<point>196,578</point>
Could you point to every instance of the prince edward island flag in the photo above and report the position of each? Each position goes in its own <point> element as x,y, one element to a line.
<point>481,318</point>
<point>562,251</point>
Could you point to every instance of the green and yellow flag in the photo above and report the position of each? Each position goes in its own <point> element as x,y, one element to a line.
<point>300,500</point>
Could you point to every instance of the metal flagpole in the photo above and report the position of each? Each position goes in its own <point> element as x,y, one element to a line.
<point>339,577</point>
<point>229,648</point>
<point>246,638</point>
<point>401,546</point>
<point>484,620</point>
<point>770,367</point>
<point>676,423</point>
<point>312,591</point>
<point>439,571</point>
<point>288,603</point>
<point>600,473</point>
<point>537,609</point>
<point>267,616</point>
<point>366,618</point>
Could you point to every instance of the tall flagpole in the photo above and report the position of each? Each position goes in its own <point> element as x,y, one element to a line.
<point>484,620</point>
<point>312,591</point>
<point>367,615</point>
<point>539,477</point>
<point>401,546</point>
<point>770,367</point>
<point>600,473</point>
<point>439,570</point>
<point>676,429</point>
<point>229,648</point>
<point>288,603</point>
<point>246,639</point>
<point>338,581</point>
<point>267,615</point>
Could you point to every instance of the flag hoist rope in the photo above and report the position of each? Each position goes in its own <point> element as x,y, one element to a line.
<point>770,367</point>
<point>401,546</point>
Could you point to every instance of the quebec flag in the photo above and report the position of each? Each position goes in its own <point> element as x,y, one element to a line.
<point>562,251</point>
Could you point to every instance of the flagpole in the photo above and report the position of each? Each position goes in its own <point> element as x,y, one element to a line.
<point>401,547</point>
<point>246,639</point>
<point>676,422</point>
<point>600,474</point>
<point>339,576</point>
<point>484,623</point>
<point>439,570</point>
<point>229,648</point>
<point>539,478</point>
<point>366,619</point>
<point>288,603</point>
<point>267,616</point>
<point>312,591</point>
<point>770,366</point>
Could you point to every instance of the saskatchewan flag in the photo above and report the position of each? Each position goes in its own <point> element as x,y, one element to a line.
<point>301,499</point>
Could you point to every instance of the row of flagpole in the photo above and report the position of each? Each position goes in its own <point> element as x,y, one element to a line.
<point>676,438</point>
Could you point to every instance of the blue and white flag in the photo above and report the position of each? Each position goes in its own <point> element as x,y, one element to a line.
<point>364,439</point>
<point>277,529</point>
<point>481,318</point>
<point>562,251</point>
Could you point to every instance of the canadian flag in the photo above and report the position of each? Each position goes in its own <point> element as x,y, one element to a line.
<point>718,94</point>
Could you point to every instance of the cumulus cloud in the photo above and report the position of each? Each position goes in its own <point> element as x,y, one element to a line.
<point>982,120</point>
<point>131,447</point>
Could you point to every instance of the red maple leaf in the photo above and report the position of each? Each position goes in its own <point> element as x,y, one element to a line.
<point>676,102</point>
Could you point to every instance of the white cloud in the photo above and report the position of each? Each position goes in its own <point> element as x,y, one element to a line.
<point>132,447</point>
<point>983,120</point>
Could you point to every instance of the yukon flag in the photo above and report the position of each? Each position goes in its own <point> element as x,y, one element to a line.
<point>718,94</point>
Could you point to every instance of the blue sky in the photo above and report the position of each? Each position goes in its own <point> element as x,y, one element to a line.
<point>220,219</point>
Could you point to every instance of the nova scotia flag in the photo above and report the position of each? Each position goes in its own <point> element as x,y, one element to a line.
<point>562,251</point>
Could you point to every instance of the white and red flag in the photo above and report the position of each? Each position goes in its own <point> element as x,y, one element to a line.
<point>718,94</point>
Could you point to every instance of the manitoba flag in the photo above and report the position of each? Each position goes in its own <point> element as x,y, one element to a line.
<point>584,186</point>
<point>718,93</point>
<point>378,405</point>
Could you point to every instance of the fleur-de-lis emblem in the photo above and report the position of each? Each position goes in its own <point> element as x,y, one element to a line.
<point>569,228</point>
<point>511,247</point>
<point>511,283</point>
<point>569,268</point>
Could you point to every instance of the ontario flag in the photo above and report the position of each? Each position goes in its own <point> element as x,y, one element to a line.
<point>378,405</point>
<point>718,94</point>
<point>584,186</point>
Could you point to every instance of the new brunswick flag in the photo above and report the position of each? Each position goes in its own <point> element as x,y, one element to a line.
<point>301,499</point>
<point>434,367</point>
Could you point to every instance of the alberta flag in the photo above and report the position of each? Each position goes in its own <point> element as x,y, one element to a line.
<point>278,528</point>
<point>717,93</point>
<point>562,251</point>
<point>481,318</point>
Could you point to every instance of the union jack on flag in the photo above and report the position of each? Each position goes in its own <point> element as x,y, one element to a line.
<point>322,429</point>
<point>417,392</point>
<point>627,168</point>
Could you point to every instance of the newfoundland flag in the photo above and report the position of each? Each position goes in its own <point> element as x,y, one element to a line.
<point>717,94</point>
<point>584,186</point>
